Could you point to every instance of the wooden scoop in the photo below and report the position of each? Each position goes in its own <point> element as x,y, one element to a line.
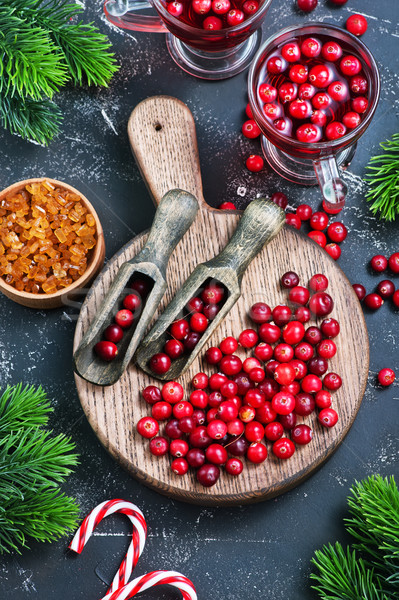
<point>261,221</point>
<point>174,216</point>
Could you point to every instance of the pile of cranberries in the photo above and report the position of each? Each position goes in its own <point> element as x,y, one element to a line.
<point>254,399</point>
<point>212,15</point>
<point>126,317</point>
<point>386,288</point>
<point>185,332</point>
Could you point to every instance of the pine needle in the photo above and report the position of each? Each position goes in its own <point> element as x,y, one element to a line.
<point>383,179</point>
<point>23,407</point>
<point>33,120</point>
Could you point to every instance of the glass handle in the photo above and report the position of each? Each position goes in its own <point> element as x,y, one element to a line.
<point>333,188</point>
<point>121,14</point>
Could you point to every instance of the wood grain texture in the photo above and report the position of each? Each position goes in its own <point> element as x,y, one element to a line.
<point>113,412</point>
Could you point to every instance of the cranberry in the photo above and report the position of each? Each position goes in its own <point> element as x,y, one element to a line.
<point>160,363</point>
<point>254,163</point>
<point>335,130</point>
<point>200,381</point>
<point>267,92</point>
<point>132,302</point>
<point>312,384</point>
<point>106,350</point>
<point>250,7</point>
<point>332,381</point>
<point>269,333</point>
<point>304,404</point>
<point>337,232</point>
<point>228,389</point>
<point>179,466</point>
<point>323,399</point>
<point>308,133</point>
<point>281,316</point>
<point>302,434</point>
<point>338,91</point>
<point>199,438</point>
<point>350,65</point>
<point>331,50</point>
<point>284,374</point>
<point>327,349</point>
<point>230,365</point>
<point>227,411</point>
<point>263,351</point>
<point>235,17</point>
<point>215,399</point>
<point>318,237</point>
<point>321,100</point>
<point>317,365</point>
<point>195,457</point>
<point>216,454</point>
<point>395,299</point>
<point>235,427</point>
<point>321,304</point>
<point>318,283</point>
<point>201,7</point>
<point>356,24</point>
<point>113,333</point>
<point>179,329</point>
<point>360,290</point>
<point>265,413</point>
<point>311,47</point>
<point>124,318</point>
<point>288,92</point>
<point>254,431</point>
<point>330,328</point>
<point>172,429</point>
<point>259,313</point>
<point>234,466</point>
<point>304,351</point>
<point>283,448</point>
<point>212,23</point>
<point>182,409</point>
<point>289,280</point>
<point>187,424</point>
<point>328,417</point>
<point>257,453</point>
<point>257,375</point>
<point>300,109</point>
<point>293,220</point>
<point>147,427</point>
<point>199,399</point>
<point>269,387</point>
<point>141,286</point>
<point>274,431</point>
<point>212,293</point>
<point>283,353</point>
<point>191,340</point>
<point>333,250</point>
<point>291,52</point>
<point>161,411</point>
<point>319,118</point>
<point>379,263</point>
<point>213,355</point>
<point>283,403</point>
<point>306,92</point>
<point>288,421</point>
<point>280,199</point>
<point>238,447</point>
<point>386,377</point>
<point>293,332</point>
<point>248,338</point>
<point>198,322</point>
<point>299,295</point>
<point>302,314</point>
<point>298,73</point>
<point>386,288</point>
<point>173,348</point>
<point>319,75</point>
<point>210,311</point>
<point>394,262</point>
<point>250,129</point>
<point>358,85</point>
<point>304,212</point>
<point>359,104</point>
<point>226,206</point>
<point>243,383</point>
<point>299,367</point>
<point>178,448</point>
<point>306,5</point>
<point>247,413</point>
<point>254,398</point>
<point>198,417</point>
<point>276,65</point>
<point>373,301</point>
<point>159,446</point>
<point>151,394</point>
<point>175,8</point>
<point>281,124</point>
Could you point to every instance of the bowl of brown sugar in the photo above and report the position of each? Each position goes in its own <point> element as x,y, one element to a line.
<point>51,242</point>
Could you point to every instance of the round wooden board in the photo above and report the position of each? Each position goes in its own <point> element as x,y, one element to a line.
<point>114,411</point>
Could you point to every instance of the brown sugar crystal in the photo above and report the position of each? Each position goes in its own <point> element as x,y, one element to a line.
<point>46,235</point>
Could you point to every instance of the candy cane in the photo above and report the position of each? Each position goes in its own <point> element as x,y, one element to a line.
<point>136,546</point>
<point>152,579</point>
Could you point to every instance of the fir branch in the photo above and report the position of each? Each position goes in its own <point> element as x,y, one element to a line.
<point>374,523</point>
<point>32,66</point>
<point>32,459</point>
<point>37,121</point>
<point>23,407</point>
<point>45,515</point>
<point>383,179</point>
<point>344,576</point>
<point>85,50</point>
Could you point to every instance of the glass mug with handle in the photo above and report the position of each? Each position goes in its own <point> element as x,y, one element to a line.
<point>200,41</point>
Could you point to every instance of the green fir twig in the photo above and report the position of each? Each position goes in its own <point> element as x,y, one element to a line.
<point>383,180</point>
<point>33,120</point>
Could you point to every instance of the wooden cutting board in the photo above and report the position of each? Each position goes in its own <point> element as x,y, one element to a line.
<point>163,138</point>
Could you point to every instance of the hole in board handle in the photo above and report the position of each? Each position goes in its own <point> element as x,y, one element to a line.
<point>158,126</point>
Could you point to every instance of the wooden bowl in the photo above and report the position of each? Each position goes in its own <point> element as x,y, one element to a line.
<point>96,258</point>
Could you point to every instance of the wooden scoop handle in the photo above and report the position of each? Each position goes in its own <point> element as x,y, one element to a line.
<point>162,136</point>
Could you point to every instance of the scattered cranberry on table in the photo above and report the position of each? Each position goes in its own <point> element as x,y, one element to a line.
<point>306,5</point>
<point>227,206</point>
<point>356,24</point>
<point>254,163</point>
<point>386,377</point>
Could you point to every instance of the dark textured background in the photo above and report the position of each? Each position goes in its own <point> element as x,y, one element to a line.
<point>251,552</point>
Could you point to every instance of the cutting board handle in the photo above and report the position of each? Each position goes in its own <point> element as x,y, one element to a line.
<point>163,139</point>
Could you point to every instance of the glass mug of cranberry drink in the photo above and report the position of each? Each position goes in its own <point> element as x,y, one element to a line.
<point>210,39</point>
<point>313,91</point>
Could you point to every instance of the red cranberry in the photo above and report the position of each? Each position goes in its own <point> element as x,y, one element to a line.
<point>332,381</point>
<point>328,417</point>
<point>217,380</point>
<point>395,299</point>
<point>254,163</point>
<point>288,91</point>
<point>210,311</point>
<point>281,316</point>
<point>308,133</point>
<point>187,424</point>
<point>212,294</point>
<point>147,427</point>
<point>274,431</point>
<point>298,73</point>
<point>379,263</point>
<point>276,65</point>
<point>313,336</point>
<point>201,7</point>
<point>243,383</point>
<point>227,206</point>
<point>373,301</point>
<point>254,431</point>
<point>228,389</point>
<point>151,394</point>
<point>394,262</point>
<point>318,237</point>
<point>283,353</point>
<point>208,474</point>
<point>338,91</point>
<point>311,47</point>
<point>238,447</point>
<point>228,345</point>
<point>161,411</point>
<point>250,7</point>
<point>132,302</point>
<point>106,350</point>
<point>250,129</point>
<point>335,130</point>
<point>358,85</point>
<point>191,340</point>
<point>257,375</point>
<point>179,329</point>
<point>159,446</point>
<point>327,349</point>
<point>267,92</point>
<point>247,413</point>
<point>317,366</point>
<point>172,429</point>
<point>386,377</point>
<point>178,448</point>
<point>248,338</point>
<point>215,399</point>
<point>321,100</point>
<point>331,50</point>
<point>319,76</point>
<point>260,313</point>
<point>288,421</point>
<point>302,314</point>
<point>359,104</point>
<point>302,434</point>
<point>141,286</point>
<point>198,322</point>
<point>319,221</point>
<point>212,23</point>
<point>283,448</point>
<point>304,351</point>
<point>124,318</point>
<point>235,17</point>
<point>293,220</point>
<point>312,384</point>
<point>299,295</point>
<point>321,304</point>
<point>257,453</point>
<point>230,365</point>
<point>300,109</point>
<point>173,348</point>
<point>269,333</point>
<point>216,454</point>
<point>234,466</point>
<point>280,199</point>
<point>333,250</point>
<point>304,212</point>
<point>235,427</point>
<point>323,399</point>
<point>318,283</point>
<point>213,355</point>
<point>269,387</point>
<point>263,351</point>
<point>283,403</point>
<point>198,417</point>
<point>306,92</point>
<point>300,368</point>
<point>265,413</point>
<point>337,232</point>
<point>199,438</point>
<point>330,328</point>
<point>199,399</point>
<point>356,24</point>
<point>289,280</point>
<point>160,363</point>
<point>195,457</point>
<point>350,65</point>
<point>113,333</point>
<point>306,5</point>
<point>271,366</point>
<point>200,381</point>
<point>318,118</point>
<point>293,332</point>
<point>360,290</point>
<point>175,8</point>
<point>304,404</point>
<point>182,409</point>
<point>291,52</point>
<point>284,374</point>
<point>254,398</point>
<point>386,288</point>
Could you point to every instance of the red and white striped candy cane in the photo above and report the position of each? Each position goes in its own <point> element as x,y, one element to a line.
<point>136,546</point>
<point>152,579</point>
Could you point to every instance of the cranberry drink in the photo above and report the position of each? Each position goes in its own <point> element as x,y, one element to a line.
<point>212,15</point>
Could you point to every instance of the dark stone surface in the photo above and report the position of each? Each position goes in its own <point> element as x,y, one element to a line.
<point>249,552</point>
